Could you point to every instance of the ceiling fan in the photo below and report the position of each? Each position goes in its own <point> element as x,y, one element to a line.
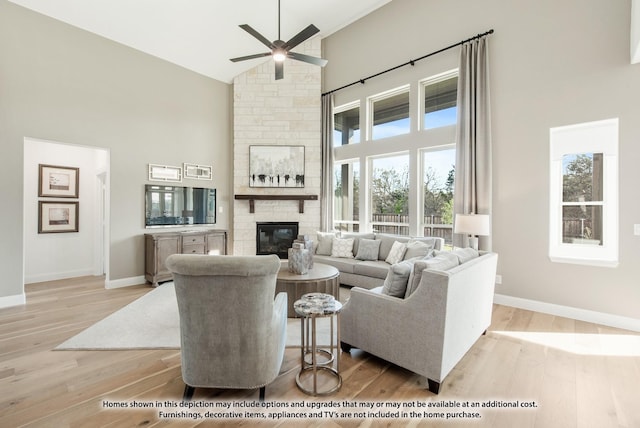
<point>280,50</point>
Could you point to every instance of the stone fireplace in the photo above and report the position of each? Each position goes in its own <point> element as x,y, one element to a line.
<point>275,237</point>
<point>276,112</point>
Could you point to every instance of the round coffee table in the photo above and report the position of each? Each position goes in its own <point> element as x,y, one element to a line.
<point>320,279</point>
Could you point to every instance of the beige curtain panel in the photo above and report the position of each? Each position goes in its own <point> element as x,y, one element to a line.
<point>472,192</point>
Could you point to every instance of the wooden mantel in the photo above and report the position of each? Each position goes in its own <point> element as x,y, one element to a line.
<point>299,198</point>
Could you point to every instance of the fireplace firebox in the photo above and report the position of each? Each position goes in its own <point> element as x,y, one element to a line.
<point>275,237</point>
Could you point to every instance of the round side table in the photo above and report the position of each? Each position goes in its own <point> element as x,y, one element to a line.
<point>315,359</point>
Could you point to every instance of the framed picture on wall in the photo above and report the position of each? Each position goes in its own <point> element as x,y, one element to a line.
<point>276,166</point>
<point>58,181</point>
<point>57,216</point>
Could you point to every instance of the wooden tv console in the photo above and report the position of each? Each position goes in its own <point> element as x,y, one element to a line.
<point>158,246</point>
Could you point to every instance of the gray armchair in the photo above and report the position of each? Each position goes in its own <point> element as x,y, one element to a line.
<point>232,330</point>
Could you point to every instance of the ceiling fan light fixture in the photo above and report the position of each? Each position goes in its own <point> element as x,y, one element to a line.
<point>279,55</point>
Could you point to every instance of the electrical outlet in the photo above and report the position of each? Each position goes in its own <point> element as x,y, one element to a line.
<point>636,229</point>
<point>498,279</point>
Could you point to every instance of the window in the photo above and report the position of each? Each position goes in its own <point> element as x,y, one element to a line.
<point>582,198</point>
<point>390,114</point>
<point>584,193</point>
<point>346,181</point>
<point>401,183</point>
<point>440,101</point>
<point>390,194</point>
<point>438,174</point>
<point>346,126</point>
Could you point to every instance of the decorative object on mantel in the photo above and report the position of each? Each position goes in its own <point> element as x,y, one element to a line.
<point>276,166</point>
<point>199,172</point>
<point>58,181</point>
<point>300,255</point>
<point>299,198</point>
<point>164,173</point>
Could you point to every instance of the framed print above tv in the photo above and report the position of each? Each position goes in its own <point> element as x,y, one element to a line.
<point>57,216</point>
<point>276,166</point>
<point>58,181</point>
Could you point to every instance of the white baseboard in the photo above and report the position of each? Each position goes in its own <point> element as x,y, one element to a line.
<point>569,312</point>
<point>125,282</point>
<point>30,279</point>
<point>16,300</point>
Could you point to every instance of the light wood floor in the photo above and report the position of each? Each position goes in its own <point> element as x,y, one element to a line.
<point>577,374</point>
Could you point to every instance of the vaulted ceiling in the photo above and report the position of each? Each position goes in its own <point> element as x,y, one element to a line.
<point>201,35</point>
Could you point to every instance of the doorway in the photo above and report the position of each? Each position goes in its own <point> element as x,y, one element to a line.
<point>53,256</point>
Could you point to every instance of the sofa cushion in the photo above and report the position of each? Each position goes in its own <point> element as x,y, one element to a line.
<point>325,243</point>
<point>342,247</point>
<point>344,265</point>
<point>442,260</point>
<point>395,284</point>
<point>417,248</point>
<point>386,242</point>
<point>357,237</point>
<point>397,252</point>
<point>373,269</point>
<point>368,249</point>
<point>465,254</point>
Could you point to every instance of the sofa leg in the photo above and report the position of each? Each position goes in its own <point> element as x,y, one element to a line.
<point>434,386</point>
<point>345,347</point>
<point>261,394</point>
<point>188,393</point>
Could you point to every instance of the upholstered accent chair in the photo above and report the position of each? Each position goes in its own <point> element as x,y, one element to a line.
<point>232,330</point>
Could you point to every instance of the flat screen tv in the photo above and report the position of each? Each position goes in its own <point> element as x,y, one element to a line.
<point>179,206</point>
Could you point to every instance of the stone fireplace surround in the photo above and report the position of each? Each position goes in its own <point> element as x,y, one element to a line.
<point>284,112</point>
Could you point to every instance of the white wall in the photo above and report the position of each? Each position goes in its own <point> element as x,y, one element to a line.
<point>552,64</point>
<point>61,83</point>
<point>50,256</point>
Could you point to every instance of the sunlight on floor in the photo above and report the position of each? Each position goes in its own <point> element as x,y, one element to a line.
<point>614,345</point>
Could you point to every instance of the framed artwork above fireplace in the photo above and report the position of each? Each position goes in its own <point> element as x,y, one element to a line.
<point>276,166</point>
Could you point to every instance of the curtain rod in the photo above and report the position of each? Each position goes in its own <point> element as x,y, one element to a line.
<point>410,62</point>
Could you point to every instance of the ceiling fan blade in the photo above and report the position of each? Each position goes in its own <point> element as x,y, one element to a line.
<point>244,58</point>
<point>300,37</point>
<point>306,58</point>
<point>279,70</point>
<point>254,33</point>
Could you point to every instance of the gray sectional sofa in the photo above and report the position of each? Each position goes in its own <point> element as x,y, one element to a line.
<point>365,260</point>
<point>447,306</point>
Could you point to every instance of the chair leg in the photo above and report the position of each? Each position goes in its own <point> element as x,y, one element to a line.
<point>345,347</point>
<point>434,386</point>
<point>262,391</point>
<point>188,393</point>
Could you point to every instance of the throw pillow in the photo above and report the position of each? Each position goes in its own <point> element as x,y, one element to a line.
<point>325,243</point>
<point>357,236</point>
<point>442,260</point>
<point>414,278</point>
<point>342,247</point>
<point>417,249</point>
<point>368,249</point>
<point>465,254</point>
<point>397,253</point>
<point>395,284</point>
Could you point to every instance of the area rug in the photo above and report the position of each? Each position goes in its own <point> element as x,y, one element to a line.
<point>152,322</point>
